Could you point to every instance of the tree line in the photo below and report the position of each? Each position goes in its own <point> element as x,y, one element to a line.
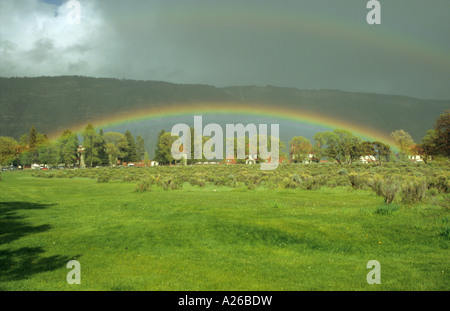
<point>345,148</point>
<point>110,148</point>
<point>100,149</point>
<point>339,145</point>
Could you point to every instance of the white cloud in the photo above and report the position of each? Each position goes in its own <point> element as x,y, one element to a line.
<point>37,39</point>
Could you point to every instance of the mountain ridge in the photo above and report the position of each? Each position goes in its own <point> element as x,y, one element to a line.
<point>54,103</point>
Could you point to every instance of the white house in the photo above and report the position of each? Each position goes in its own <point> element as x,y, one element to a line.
<point>309,159</point>
<point>367,159</point>
<point>416,158</point>
<point>251,159</point>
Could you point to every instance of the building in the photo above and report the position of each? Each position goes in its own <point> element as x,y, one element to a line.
<point>251,159</point>
<point>367,159</point>
<point>230,160</point>
<point>416,154</point>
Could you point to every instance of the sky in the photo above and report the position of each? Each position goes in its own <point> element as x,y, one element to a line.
<point>305,44</point>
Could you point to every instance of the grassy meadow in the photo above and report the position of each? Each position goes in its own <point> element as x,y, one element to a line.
<point>193,228</point>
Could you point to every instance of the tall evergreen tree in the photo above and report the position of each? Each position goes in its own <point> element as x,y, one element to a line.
<point>131,153</point>
<point>101,147</point>
<point>159,156</point>
<point>32,138</point>
<point>140,147</point>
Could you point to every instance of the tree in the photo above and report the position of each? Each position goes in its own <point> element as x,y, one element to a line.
<point>130,150</point>
<point>140,147</point>
<point>163,152</point>
<point>90,144</point>
<point>29,144</point>
<point>48,153</point>
<point>380,151</point>
<point>341,145</point>
<point>300,148</point>
<point>320,139</point>
<point>116,143</point>
<point>437,140</point>
<point>9,149</point>
<point>68,144</point>
<point>32,138</point>
<point>159,157</point>
<point>146,159</point>
<point>100,145</point>
<point>403,141</point>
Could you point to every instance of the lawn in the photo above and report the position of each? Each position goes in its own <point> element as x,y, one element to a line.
<point>213,238</point>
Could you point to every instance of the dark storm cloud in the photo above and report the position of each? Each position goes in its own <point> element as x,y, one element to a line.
<point>304,44</point>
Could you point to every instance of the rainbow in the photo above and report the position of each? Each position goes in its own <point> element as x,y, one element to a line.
<point>289,114</point>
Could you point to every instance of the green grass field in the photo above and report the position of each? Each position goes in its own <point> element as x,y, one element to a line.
<point>213,238</point>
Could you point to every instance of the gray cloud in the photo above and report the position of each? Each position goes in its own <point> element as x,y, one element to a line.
<point>303,44</point>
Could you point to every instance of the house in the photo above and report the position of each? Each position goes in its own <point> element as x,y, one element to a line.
<point>415,158</point>
<point>311,158</point>
<point>416,154</point>
<point>251,159</point>
<point>367,159</point>
<point>230,160</point>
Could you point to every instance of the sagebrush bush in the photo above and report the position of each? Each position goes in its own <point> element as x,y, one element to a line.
<point>342,171</point>
<point>440,182</point>
<point>143,186</point>
<point>289,183</point>
<point>231,181</point>
<point>386,188</point>
<point>357,181</point>
<point>413,191</point>
<point>170,183</point>
<point>103,178</point>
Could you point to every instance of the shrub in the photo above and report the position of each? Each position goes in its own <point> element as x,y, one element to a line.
<point>357,181</point>
<point>308,182</point>
<point>197,181</point>
<point>289,183</point>
<point>103,178</point>
<point>342,171</point>
<point>252,181</point>
<point>296,178</point>
<point>143,186</point>
<point>170,183</point>
<point>445,232</point>
<point>232,181</point>
<point>432,192</point>
<point>413,191</point>
<point>127,178</point>
<point>387,188</point>
<point>441,183</point>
